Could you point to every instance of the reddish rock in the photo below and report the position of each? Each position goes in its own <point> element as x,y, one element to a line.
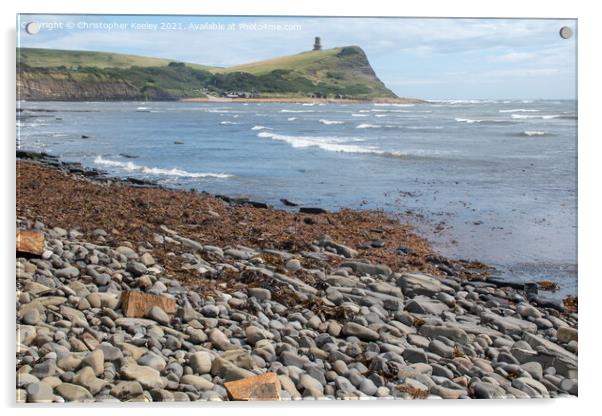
<point>262,387</point>
<point>136,304</point>
<point>30,242</point>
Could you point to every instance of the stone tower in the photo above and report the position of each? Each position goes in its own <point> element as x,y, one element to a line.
<point>317,44</point>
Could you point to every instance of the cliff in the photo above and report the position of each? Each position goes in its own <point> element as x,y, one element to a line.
<point>44,74</point>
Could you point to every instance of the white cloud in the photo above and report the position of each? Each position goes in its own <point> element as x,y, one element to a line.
<point>514,57</point>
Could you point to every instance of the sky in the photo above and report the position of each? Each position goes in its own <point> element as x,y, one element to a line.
<point>432,58</point>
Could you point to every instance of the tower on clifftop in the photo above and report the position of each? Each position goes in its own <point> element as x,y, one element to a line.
<point>317,44</point>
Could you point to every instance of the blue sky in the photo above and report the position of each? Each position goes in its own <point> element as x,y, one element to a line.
<point>424,58</point>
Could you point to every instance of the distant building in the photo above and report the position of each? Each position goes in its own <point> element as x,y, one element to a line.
<point>317,44</point>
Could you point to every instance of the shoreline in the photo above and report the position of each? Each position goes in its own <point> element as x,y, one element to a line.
<point>441,264</point>
<point>74,173</point>
<point>293,100</point>
<point>134,292</point>
<point>290,100</point>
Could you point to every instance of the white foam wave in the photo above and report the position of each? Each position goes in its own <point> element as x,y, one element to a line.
<point>381,110</point>
<point>534,133</point>
<point>465,101</point>
<point>359,115</point>
<point>467,120</point>
<point>259,128</point>
<point>227,122</point>
<point>395,126</point>
<point>132,167</point>
<point>329,122</point>
<point>292,118</point>
<point>545,117</point>
<point>520,110</point>
<point>296,111</point>
<point>424,127</point>
<point>333,144</point>
<point>216,110</point>
<point>372,126</point>
<point>341,145</point>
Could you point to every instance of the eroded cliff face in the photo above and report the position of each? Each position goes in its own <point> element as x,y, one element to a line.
<point>36,86</point>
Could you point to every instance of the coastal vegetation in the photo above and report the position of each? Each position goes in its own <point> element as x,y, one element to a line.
<point>343,73</point>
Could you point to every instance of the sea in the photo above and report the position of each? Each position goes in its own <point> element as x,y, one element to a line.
<point>487,180</point>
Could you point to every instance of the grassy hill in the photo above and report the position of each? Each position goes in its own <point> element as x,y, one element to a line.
<point>50,58</point>
<point>71,75</point>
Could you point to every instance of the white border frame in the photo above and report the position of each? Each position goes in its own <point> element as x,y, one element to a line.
<point>590,22</point>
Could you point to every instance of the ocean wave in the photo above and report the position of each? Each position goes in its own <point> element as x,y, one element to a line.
<point>329,122</point>
<point>396,126</point>
<point>227,122</point>
<point>453,102</point>
<point>467,120</point>
<point>568,115</point>
<point>132,167</point>
<point>483,121</point>
<point>381,115</point>
<point>520,110</point>
<point>33,124</point>
<point>423,127</point>
<point>333,144</point>
<point>259,128</point>
<point>217,110</point>
<point>534,133</point>
<point>545,117</point>
<point>341,145</point>
<point>381,110</point>
<point>292,118</point>
<point>296,111</point>
<point>359,115</point>
<point>376,126</point>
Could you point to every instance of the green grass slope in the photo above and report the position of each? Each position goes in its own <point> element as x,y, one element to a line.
<point>338,72</point>
<point>50,58</point>
<point>344,69</point>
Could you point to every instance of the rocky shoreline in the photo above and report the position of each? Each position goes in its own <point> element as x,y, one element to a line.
<point>296,100</point>
<point>130,292</point>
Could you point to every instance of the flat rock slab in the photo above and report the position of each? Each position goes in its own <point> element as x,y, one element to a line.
<point>356,330</point>
<point>424,305</point>
<point>536,341</point>
<point>455,333</point>
<point>262,387</point>
<point>508,324</point>
<point>137,304</point>
<point>421,284</point>
<point>476,329</point>
<point>367,268</point>
<point>312,210</point>
<point>30,242</point>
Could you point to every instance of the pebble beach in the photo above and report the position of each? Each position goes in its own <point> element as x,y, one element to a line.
<point>128,291</point>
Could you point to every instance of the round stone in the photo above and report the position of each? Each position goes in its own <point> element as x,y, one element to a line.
<point>39,392</point>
